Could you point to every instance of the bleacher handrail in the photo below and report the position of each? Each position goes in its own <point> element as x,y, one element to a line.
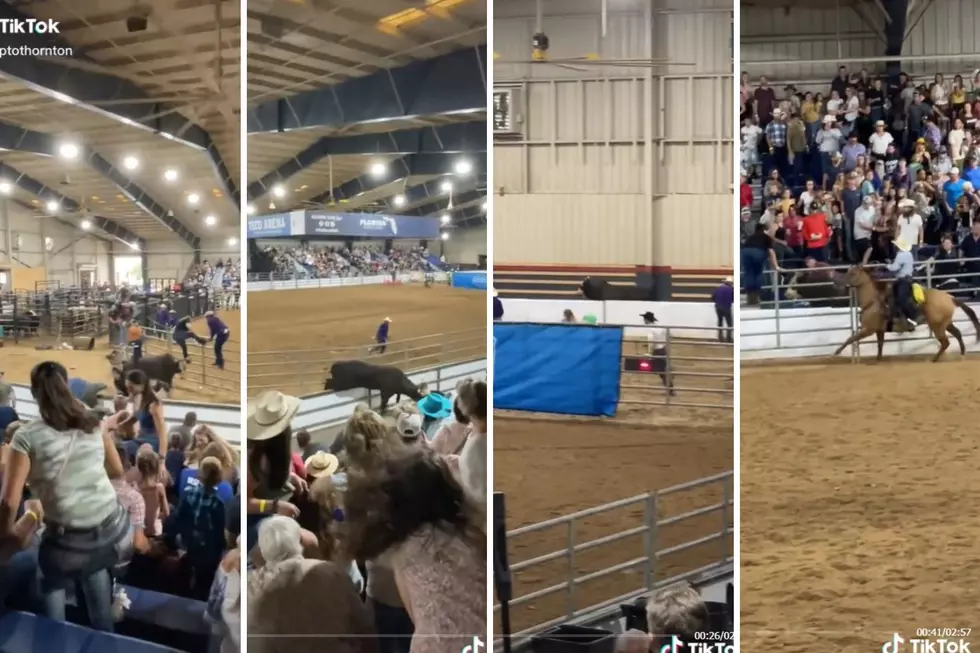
<point>649,529</point>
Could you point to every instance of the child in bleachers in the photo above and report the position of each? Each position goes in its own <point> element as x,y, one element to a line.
<point>198,526</point>
<point>153,492</point>
<point>190,475</point>
<point>174,463</point>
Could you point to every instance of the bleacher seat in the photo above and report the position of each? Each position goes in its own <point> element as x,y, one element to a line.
<point>436,263</point>
<point>167,620</point>
<point>21,632</point>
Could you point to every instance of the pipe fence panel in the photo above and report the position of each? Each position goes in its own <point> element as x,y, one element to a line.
<point>303,371</point>
<point>200,371</point>
<point>657,547</point>
<point>804,318</point>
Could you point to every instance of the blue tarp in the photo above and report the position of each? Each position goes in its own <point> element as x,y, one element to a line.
<point>473,280</point>
<point>565,369</point>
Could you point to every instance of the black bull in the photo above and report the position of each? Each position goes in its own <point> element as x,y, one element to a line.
<point>389,381</point>
<point>161,368</point>
<point>598,290</point>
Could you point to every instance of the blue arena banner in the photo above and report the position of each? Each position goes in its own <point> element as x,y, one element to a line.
<point>371,225</point>
<point>276,225</point>
<point>472,280</point>
<point>565,369</point>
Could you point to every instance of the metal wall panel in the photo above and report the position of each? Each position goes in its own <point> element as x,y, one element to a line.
<point>695,231</point>
<point>804,34</point>
<point>570,229</point>
<point>587,131</point>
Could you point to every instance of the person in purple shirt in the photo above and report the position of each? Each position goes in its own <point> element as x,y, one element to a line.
<point>381,337</point>
<point>220,334</point>
<point>723,297</point>
<point>163,317</point>
<point>852,151</point>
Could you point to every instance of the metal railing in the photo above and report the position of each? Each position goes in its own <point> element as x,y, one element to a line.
<point>782,309</point>
<point>703,373</point>
<point>302,371</point>
<point>652,537</point>
<point>295,280</point>
<point>200,371</point>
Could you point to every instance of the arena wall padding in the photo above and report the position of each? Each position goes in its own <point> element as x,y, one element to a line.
<point>470,280</point>
<point>565,369</point>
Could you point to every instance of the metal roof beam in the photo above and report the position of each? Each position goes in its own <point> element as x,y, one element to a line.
<point>452,83</point>
<point>34,187</point>
<point>428,165</point>
<point>19,139</point>
<point>81,86</point>
<point>431,191</point>
<point>460,201</point>
<point>458,138</point>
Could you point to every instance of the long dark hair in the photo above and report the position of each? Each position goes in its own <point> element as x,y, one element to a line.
<point>385,504</point>
<point>279,454</point>
<point>55,402</point>
<point>147,396</point>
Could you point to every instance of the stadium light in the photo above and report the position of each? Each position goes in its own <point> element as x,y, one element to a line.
<point>131,163</point>
<point>446,187</point>
<point>193,199</point>
<point>6,187</point>
<point>232,242</point>
<point>399,200</point>
<point>278,191</point>
<point>210,220</point>
<point>68,151</point>
<point>463,167</point>
<point>52,206</point>
<point>445,218</point>
<point>250,209</point>
<point>445,235</point>
<point>378,170</point>
<point>86,225</point>
<point>170,175</point>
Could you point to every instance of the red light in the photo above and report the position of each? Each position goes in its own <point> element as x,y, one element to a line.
<point>645,366</point>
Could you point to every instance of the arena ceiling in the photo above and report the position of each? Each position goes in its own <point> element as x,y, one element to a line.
<point>367,105</point>
<point>135,134</point>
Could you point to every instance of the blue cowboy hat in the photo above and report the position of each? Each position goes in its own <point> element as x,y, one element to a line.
<point>435,406</point>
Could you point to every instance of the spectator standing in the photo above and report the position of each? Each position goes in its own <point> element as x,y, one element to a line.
<point>776,135</point>
<point>723,298</point>
<point>765,101</point>
<point>67,460</point>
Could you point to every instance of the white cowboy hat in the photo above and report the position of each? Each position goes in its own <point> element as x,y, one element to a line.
<point>269,415</point>
<point>387,319</point>
<point>902,245</point>
<point>906,204</point>
<point>321,464</point>
<point>879,123</point>
<point>729,280</point>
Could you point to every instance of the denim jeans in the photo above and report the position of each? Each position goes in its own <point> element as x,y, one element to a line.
<point>96,590</point>
<point>753,264</point>
<point>394,626</point>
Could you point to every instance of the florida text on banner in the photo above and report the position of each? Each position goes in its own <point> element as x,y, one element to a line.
<point>371,225</point>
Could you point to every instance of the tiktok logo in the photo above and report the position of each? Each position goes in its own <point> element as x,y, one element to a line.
<point>475,647</point>
<point>894,645</point>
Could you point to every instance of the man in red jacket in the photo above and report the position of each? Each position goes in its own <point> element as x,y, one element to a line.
<point>816,235</point>
<point>744,193</point>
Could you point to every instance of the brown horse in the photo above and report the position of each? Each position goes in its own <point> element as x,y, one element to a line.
<point>938,309</point>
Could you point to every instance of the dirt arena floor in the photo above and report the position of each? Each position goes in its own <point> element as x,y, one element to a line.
<point>858,519</point>
<point>310,329</point>
<point>550,466</point>
<point>211,386</point>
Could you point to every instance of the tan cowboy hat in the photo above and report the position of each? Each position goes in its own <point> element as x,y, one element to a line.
<point>269,415</point>
<point>902,245</point>
<point>729,280</point>
<point>906,204</point>
<point>829,119</point>
<point>322,464</point>
<point>387,319</point>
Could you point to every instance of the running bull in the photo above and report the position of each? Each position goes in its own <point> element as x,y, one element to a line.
<point>598,290</point>
<point>389,381</point>
<point>161,369</point>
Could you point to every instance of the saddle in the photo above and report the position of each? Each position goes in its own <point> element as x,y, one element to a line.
<point>896,321</point>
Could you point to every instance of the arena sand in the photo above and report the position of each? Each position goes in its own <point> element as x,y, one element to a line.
<point>18,360</point>
<point>310,329</point>
<point>551,466</point>
<point>858,506</point>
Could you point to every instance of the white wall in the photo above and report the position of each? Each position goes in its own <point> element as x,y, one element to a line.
<point>466,245</point>
<point>617,163</point>
<point>67,248</point>
<point>220,249</point>
<point>798,34</point>
<point>684,319</point>
<point>168,259</point>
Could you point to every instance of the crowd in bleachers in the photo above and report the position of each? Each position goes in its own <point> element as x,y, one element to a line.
<point>376,543</point>
<point>341,261</point>
<point>202,274</point>
<point>103,511</point>
<point>836,176</point>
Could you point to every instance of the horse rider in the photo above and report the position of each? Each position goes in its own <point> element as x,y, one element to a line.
<point>381,337</point>
<point>658,351</point>
<point>903,268</point>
